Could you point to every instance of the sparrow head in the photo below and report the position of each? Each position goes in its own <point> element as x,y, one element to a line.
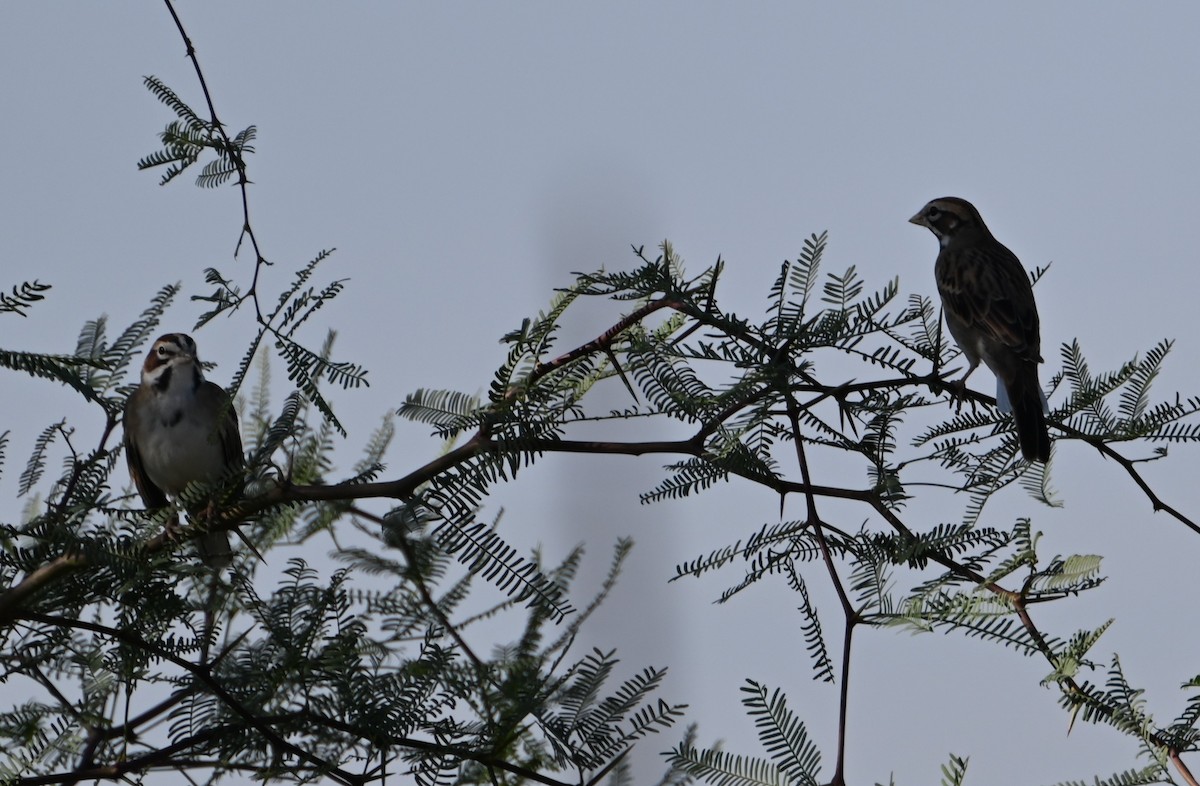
<point>167,353</point>
<point>951,218</point>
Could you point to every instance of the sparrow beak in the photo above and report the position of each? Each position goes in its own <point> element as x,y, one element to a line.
<point>919,220</point>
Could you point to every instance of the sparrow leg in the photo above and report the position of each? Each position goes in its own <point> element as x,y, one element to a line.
<point>962,383</point>
<point>959,389</point>
<point>171,530</point>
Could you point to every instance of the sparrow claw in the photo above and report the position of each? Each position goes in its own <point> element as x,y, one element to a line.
<point>172,528</point>
<point>956,389</point>
<point>958,392</point>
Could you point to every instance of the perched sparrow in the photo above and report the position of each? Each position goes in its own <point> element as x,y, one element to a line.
<point>989,307</point>
<point>180,428</point>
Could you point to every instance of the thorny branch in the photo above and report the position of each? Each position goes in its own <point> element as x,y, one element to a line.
<point>15,602</point>
<point>235,157</point>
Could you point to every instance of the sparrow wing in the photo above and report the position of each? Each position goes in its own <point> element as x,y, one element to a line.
<point>214,546</point>
<point>213,396</point>
<point>152,496</point>
<point>989,292</point>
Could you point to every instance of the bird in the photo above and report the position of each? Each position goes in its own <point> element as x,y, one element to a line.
<point>181,428</point>
<point>988,302</point>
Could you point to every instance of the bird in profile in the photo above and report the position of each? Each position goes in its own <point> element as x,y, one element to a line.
<point>180,429</point>
<point>991,313</point>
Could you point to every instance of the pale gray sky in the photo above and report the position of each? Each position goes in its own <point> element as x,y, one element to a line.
<point>464,158</point>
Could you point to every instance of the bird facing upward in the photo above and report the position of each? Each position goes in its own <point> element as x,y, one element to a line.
<point>991,313</point>
<point>180,429</point>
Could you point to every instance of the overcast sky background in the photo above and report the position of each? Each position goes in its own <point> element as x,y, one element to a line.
<point>465,158</point>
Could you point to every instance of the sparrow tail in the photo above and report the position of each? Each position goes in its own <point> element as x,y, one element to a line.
<point>215,550</point>
<point>1029,412</point>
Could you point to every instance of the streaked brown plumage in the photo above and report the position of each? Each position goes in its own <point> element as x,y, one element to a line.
<point>990,310</point>
<point>179,429</point>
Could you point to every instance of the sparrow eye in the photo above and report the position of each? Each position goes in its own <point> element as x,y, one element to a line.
<point>162,352</point>
<point>933,212</point>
